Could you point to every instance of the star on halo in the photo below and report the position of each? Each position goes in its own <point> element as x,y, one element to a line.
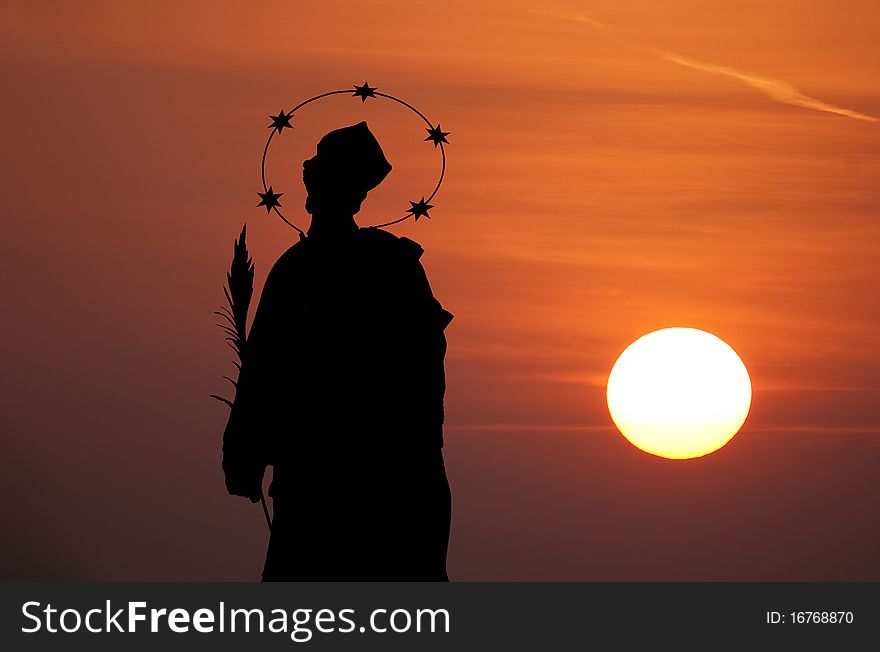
<point>281,121</point>
<point>364,91</point>
<point>420,209</point>
<point>436,136</point>
<point>269,199</point>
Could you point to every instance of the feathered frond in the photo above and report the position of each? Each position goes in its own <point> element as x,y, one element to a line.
<point>239,290</point>
<point>224,400</point>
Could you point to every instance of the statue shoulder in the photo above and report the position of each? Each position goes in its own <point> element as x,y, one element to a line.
<point>400,258</point>
<point>294,254</point>
<point>390,244</point>
<point>290,260</point>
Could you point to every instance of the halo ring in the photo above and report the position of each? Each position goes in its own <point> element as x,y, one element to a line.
<point>372,93</point>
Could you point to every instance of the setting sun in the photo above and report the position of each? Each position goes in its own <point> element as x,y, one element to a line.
<point>679,393</point>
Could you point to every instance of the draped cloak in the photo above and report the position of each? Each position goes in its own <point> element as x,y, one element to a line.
<point>341,392</point>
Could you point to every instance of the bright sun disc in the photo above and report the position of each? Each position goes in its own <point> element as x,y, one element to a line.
<point>679,393</point>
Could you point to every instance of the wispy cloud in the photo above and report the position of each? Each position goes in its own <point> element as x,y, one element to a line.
<point>776,89</point>
<point>577,16</point>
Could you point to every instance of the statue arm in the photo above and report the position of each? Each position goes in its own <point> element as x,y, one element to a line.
<point>427,351</point>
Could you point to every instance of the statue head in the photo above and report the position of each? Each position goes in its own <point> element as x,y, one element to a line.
<point>348,164</point>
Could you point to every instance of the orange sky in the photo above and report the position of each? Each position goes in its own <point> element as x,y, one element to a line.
<point>598,188</point>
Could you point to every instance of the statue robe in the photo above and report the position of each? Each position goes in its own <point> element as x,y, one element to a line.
<point>341,391</point>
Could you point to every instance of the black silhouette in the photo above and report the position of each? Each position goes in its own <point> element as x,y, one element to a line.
<point>341,391</point>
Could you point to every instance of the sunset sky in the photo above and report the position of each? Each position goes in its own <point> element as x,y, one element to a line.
<point>614,168</point>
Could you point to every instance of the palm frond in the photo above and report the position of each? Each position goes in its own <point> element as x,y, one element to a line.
<point>227,317</point>
<point>224,400</point>
<point>239,290</point>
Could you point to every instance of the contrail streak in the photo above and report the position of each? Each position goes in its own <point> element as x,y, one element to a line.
<point>776,89</point>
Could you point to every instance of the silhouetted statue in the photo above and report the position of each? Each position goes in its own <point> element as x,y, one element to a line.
<point>341,391</point>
